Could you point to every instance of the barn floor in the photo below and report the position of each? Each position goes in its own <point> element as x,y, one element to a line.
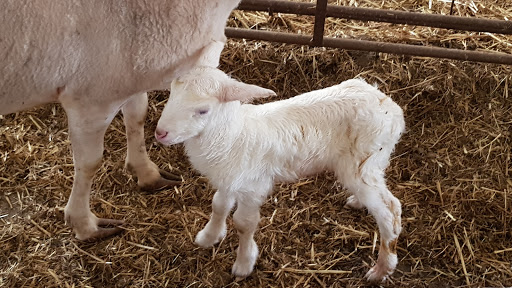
<point>451,171</point>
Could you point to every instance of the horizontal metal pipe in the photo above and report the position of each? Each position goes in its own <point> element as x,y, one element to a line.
<point>382,15</point>
<point>393,48</point>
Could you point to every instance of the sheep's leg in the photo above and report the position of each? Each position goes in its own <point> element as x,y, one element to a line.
<point>386,209</point>
<point>149,177</point>
<point>215,229</point>
<point>246,219</point>
<point>87,130</point>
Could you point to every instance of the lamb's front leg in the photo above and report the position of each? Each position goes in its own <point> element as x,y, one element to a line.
<point>215,229</point>
<point>246,219</point>
<point>149,177</point>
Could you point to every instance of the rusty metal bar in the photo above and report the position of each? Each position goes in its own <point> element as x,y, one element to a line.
<point>393,48</point>
<point>318,32</point>
<point>382,15</point>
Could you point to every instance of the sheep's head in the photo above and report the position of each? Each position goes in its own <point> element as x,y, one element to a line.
<point>192,99</point>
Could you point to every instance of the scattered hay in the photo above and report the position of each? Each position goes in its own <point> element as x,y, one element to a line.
<point>451,171</point>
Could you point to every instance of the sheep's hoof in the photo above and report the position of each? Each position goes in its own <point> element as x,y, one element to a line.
<point>169,176</point>
<point>104,232</point>
<point>166,180</point>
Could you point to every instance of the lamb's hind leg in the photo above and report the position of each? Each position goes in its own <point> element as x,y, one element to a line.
<point>149,177</point>
<point>386,209</point>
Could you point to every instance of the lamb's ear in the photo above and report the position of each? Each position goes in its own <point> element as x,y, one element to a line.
<point>233,90</point>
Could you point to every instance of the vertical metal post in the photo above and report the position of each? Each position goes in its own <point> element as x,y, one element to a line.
<point>318,32</point>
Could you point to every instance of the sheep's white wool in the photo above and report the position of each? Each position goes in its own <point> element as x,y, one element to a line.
<point>96,57</point>
<point>350,128</point>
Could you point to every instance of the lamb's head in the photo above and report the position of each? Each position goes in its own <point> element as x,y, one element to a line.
<point>193,99</point>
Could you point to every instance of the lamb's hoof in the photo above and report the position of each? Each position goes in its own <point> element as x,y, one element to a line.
<point>244,264</point>
<point>102,232</point>
<point>353,203</point>
<point>377,274</point>
<point>166,180</point>
<point>206,240</point>
<point>241,271</point>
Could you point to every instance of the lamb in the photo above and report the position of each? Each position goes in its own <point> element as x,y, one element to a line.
<point>97,57</point>
<point>350,128</point>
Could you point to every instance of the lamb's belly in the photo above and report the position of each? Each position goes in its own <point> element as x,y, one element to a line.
<point>292,174</point>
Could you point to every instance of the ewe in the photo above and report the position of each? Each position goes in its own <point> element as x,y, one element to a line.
<point>97,57</point>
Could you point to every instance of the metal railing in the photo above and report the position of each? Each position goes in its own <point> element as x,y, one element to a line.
<point>321,10</point>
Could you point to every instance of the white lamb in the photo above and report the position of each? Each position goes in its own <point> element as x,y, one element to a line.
<point>350,128</point>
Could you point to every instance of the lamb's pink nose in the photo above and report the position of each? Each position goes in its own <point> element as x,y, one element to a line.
<point>160,134</point>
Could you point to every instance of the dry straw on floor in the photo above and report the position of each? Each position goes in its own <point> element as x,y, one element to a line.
<point>451,171</point>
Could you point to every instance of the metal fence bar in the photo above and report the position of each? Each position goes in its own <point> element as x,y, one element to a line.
<point>318,32</point>
<point>352,44</point>
<point>382,15</point>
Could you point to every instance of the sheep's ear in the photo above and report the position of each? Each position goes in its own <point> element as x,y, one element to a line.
<point>233,90</point>
<point>210,54</point>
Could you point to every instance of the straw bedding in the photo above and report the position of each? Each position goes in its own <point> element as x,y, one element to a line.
<point>451,171</point>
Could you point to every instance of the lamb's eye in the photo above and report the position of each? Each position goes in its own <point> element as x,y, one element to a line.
<point>202,112</point>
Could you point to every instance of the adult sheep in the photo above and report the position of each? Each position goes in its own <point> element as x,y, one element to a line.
<point>97,57</point>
